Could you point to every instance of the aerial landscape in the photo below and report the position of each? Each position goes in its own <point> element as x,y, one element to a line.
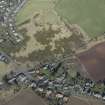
<point>52,52</point>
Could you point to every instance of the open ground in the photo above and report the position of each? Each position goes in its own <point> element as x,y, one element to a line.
<point>26,97</point>
<point>48,34</point>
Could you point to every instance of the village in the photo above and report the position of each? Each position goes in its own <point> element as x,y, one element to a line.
<point>52,82</point>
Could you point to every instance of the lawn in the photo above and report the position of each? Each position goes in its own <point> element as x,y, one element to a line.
<point>30,8</point>
<point>88,14</point>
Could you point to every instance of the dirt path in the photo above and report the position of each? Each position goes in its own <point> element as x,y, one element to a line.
<point>92,44</point>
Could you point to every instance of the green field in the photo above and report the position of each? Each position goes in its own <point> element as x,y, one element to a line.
<point>88,14</point>
<point>30,8</point>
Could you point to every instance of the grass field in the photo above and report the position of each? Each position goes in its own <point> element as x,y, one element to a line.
<point>3,69</point>
<point>89,14</point>
<point>31,7</point>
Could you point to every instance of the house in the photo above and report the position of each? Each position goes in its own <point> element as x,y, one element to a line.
<point>1,85</point>
<point>103,98</point>
<point>33,85</point>
<point>51,85</point>
<point>59,96</point>
<point>12,81</point>
<point>1,40</point>
<point>37,72</point>
<point>66,99</point>
<point>97,96</point>
<point>4,58</point>
<point>31,71</point>
<point>21,79</point>
<point>43,82</point>
<point>53,67</point>
<point>39,91</point>
<point>48,93</point>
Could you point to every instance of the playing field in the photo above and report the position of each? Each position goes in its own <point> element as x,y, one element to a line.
<point>89,14</point>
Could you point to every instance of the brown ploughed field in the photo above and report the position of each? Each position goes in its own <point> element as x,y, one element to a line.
<point>94,61</point>
<point>26,97</point>
<point>84,101</point>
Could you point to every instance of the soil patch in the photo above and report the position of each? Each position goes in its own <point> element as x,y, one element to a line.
<point>27,97</point>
